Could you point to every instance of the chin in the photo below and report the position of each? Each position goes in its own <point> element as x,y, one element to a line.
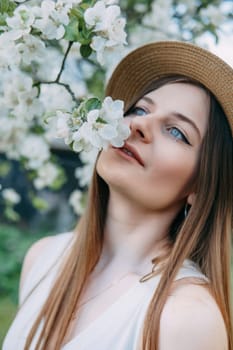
<point>105,166</point>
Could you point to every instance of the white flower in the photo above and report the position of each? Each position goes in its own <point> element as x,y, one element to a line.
<point>98,44</point>
<point>111,2</point>
<point>84,173</point>
<point>31,48</point>
<point>62,126</point>
<point>108,27</point>
<point>106,22</point>
<point>85,138</point>
<point>55,97</point>
<point>30,106</point>
<point>116,32</point>
<point>161,19</point>
<point>9,56</point>
<point>46,175</point>
<point>212,14</point>
<point>12,133</point>
<point>68,3</point>
<point>52,19</point>
<point>36,151</point>
<point>11,196</point>
<point>123,133</point>
<point>21,96</point>
<point>190,5</point>
<point>22,21</point>
<point>13,93</point>
<point>112,110</point>
<point>75,201</point>
<point>102,127</point>
<point>96,132</point>
<point>95,14</point>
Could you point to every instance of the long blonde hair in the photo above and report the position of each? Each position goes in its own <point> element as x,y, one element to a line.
<point>204,236</point>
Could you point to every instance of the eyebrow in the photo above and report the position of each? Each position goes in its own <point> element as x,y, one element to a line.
<point>176,114</point>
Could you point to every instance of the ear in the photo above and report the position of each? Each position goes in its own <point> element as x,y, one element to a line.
<point>191,198</point>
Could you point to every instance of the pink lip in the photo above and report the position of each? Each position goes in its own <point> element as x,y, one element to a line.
<point>134,152</point>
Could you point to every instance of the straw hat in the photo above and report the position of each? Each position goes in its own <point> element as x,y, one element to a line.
<point>152,61</point>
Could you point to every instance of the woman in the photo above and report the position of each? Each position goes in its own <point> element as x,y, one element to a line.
<point>149,265</point>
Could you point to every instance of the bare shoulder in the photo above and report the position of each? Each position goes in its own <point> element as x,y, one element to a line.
<point>36,250</point>
<point>191,320</point>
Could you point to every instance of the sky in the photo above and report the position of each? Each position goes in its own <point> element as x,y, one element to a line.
<point>224,48</point>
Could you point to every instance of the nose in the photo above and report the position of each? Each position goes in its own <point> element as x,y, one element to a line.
<point>141,128</point>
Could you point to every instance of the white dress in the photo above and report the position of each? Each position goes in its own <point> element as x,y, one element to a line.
<point>117,328</point>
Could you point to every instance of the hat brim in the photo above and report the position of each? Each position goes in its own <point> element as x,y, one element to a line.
<point>153,61</point>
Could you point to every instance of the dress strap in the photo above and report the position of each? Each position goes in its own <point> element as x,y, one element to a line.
<point>191,269</point>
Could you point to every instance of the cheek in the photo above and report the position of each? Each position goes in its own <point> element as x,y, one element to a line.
<point>174,172</point>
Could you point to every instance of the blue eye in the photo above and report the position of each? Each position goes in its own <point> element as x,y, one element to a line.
<point>177,134</point>
<point>138,111</point>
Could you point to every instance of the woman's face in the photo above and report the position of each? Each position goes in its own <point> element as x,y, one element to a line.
<point>157,165</point>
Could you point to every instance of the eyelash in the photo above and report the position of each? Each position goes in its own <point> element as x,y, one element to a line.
<point>136,108</point>
<point>183,138</point>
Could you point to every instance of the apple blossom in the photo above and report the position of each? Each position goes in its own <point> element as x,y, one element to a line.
<point>31,48</point>
<point>35,150</point>
<point>211,14</point>
<point>51,19</point>
<point>75,201</point>
<point>108,26</point>
<point>45,72</point>
<point>84,173</point>
<point>46,175</point>
<point>21,97</point>
<point>11,196</point>
<point>9,55</point>
<point>22,21</point>
<point>12,133</point>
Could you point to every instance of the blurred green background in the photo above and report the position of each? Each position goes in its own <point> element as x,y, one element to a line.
<point>14,243</point>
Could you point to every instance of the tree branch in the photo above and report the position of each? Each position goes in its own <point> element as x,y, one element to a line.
<point>57,80</point>
<point>66,86</point>
<point>21,2</point>
<point>64,61</point>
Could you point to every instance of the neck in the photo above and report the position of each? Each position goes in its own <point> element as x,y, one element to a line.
<point>133,236</point>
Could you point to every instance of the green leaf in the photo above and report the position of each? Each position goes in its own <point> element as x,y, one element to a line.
<point>77,30</point>
<point>92,103</point>
<point>5,168</point>
<point>2,19</point>
<point>76,12</point>
<point>85,51</point>
<point>4,4</point>
<point>59,181</point>
<point>86,36</point>
<point>37,129</point>
<point>39,203</point>
<point>11,214</point>
<point>7,6</point>
<point>72,30</point>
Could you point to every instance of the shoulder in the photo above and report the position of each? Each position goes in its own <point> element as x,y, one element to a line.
<point>38,248</point>
<point>192,320</point>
